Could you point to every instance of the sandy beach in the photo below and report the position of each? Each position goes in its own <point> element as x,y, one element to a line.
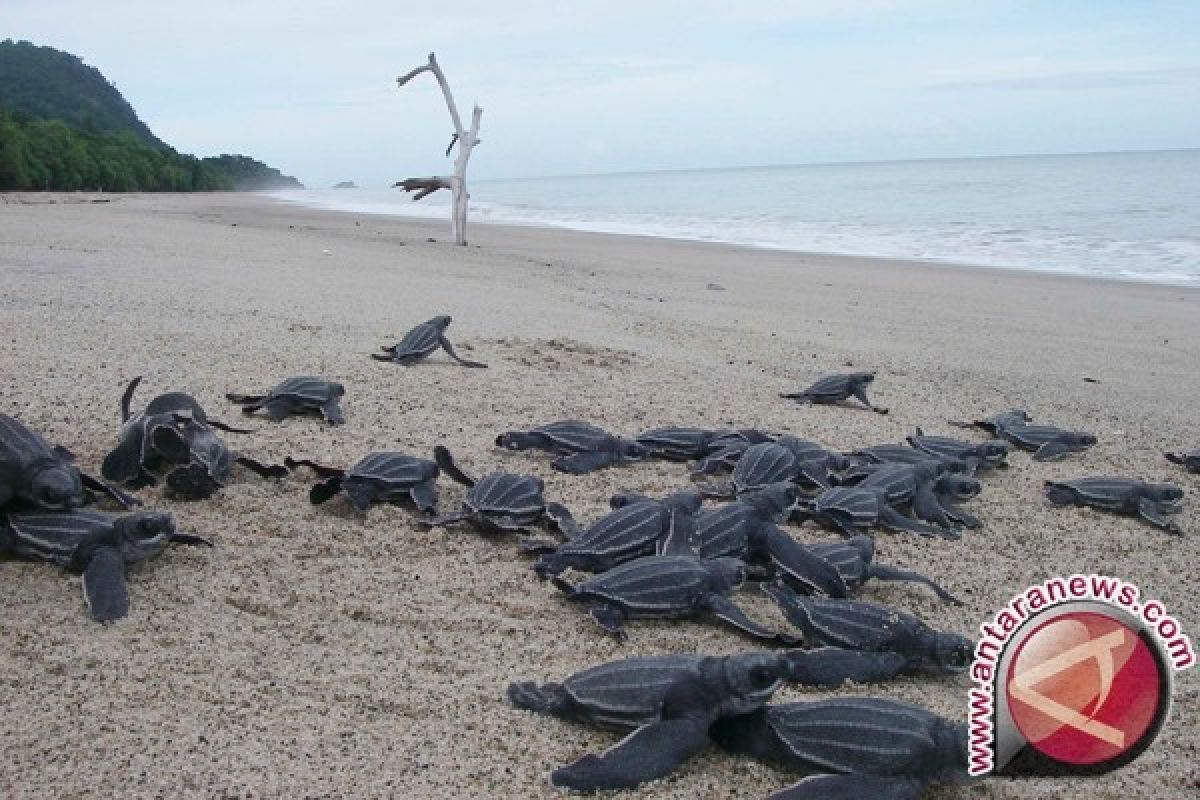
<point>315,652</point>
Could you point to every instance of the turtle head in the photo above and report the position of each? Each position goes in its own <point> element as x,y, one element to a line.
<point>863,378</point>
<point>631,450</point>
<point>774,501</point>
<point>993,452</point>
<point>192,481</point>
<point>688,501</point>
<point>143,534</point>
<point>752,678</point>
<point>951,652</point>
<point>1166,494</point>
<point>1081,439</point>
<point>56,487</point>
<point>959,487</point>
<point>728,573</point>
<point>441,321</point>
<point>337,389</point>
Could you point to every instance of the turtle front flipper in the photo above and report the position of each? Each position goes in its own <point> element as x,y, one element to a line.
<point>104,588</point>
<point>651,752</point>
<point>446,464</point>
<point>123,499</point>
<point>927,508</point>
<point>833,666</point>
<point>726,610</point>
<point>326,489</point>
<point>562,520</point>
<point>582,463</point>
<point>221,426</point>
<point>1051,451</point>
<point>323,471</point>
<point>449,348</point>
<point>860,394</point>
<point>332,413</point>
<point>263,470</point>
<point>886,572</point>
<point>425,496</point>
<point>1151,512</point>
<point>893,519</point>
<point>1060,494</point>
<point>854,786</point>
<point>801,565</point>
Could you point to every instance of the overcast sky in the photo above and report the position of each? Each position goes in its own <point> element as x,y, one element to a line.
<point>576,87</point>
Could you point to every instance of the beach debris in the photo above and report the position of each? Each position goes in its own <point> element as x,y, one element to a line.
<point>668,586</point>
<point>501,502</point>
<point>854,558</point>
<point>174,435</point>
<point>693,698</point>
<point>97,546</point>
<point>982,455</point>
<point>1189,459</point>
<point>1150,501</point>
<point>866,747</point>
<point>580,446</point>
<point>748,529</point>
<point>37,474</point>
<point>421,341</point>
<point>871,628</point>
<point>380,477</point>
<point>837,388</point>
<point>466,139</point>
<point>638,526</point>
<point>300,395</point>
<point>715,287</point>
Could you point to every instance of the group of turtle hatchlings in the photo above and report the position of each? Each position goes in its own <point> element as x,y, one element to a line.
<point>667,557</point>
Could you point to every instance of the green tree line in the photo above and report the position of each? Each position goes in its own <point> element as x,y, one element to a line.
<point>39,154</point>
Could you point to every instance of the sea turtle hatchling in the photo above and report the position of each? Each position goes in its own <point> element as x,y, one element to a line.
<point>1189,459</point>
<point>300,395</point>
<point>690,444</point>
<point>98,546</point>
<point>871,628</point>
<point>380,477</point>
<point>580,446</point>
<point>1047,442</point>
<point>667,587</point>
<point>977,455</point>
<point>1150,501</point>
<point>695,696</point>
<point>863,748</point>
<point>37,474</point>
<point>853,509</point>
<point>421,341</point>
<point>834,389</point>
<point>501,501</point>
<point>769,463</point>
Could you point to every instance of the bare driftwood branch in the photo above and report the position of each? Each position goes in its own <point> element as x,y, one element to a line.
<point>464,139</point>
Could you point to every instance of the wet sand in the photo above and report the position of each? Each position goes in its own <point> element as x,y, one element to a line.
<point>317,652</point>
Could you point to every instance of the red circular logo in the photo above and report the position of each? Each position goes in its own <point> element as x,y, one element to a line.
<point>1084,689</point>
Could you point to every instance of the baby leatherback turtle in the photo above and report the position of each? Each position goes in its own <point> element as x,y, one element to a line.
<point>639,526</point>
<point>501,502</point>
<point>1189,459</point>
<point>695,697</point>
<point>421,341</point>
<point>34,472</point>
<point>667,587</point>
<point>1150,501</point>
<point>690,444</point>
<point>580,447</point>
<point>837,388</point>
<point>1047,442</point>
<point>998,423</point>
<point>870,628</point>
<point>301,395</point>
<point>868,748</point>
<point>382,477</point>
<point>98,546</point>
<point>977,456</point>
<point>854,558</point>
<point>853,509</point>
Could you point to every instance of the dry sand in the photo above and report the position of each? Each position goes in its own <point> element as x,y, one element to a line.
<point>317,653</point>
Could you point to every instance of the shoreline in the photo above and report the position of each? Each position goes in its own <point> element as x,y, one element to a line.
<point>318,651</point>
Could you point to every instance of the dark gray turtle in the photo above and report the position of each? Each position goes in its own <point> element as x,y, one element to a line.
<point>867,748</point>
<point>98,546</point>
<point>747,529</point>
<point>381,477</point>
<point>1189,459</point>
<point>301,395</point>
<point>853,509</point>
<point>501,502</point>
<point>696,697</point>
<point>931,491</point>
<point>37,474</point>
<point>1047,442</point>
<point>626,694</point>
<point>863,461</point>
<point>871,628</point>
<point>998,423</point>
<point>202,462</point>
<point>1150,501</point>
<point>581,447</point>
<point>423,340</point>
<point>979,455</point>
<point>667,587</point>
<point>639,526</point>
<point>854,558</point>
<point>837,388</point>
<point>688,444</point>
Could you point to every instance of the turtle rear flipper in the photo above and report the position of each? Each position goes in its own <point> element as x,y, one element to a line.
<point>582,463</point>
<point>833,666</point>
<point>104,588</point>
<point>854,786</point>
<point>726,610</point>
<point>190,539</point>
<point>324,490</point>
<point>221,426</point>
<point>886,572</point>
<point>651,752</point>
<point>449,348</point>
<point>323,471</point>
<point>1151,512</point>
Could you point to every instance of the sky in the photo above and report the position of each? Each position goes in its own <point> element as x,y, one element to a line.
<point>592,87</point>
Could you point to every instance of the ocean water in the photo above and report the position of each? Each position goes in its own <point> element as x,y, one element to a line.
<point>1132,216</point>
